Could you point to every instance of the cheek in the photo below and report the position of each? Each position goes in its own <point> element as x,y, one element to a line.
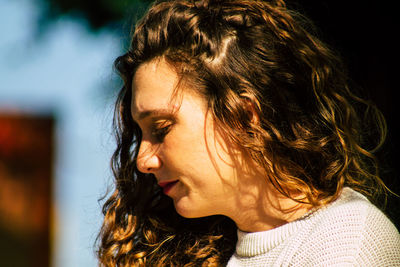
<point>187,141</point>
<point>187,154</point>
<point>182,151</point>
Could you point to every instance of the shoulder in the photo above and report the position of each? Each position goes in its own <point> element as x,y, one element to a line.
<point>378,239</point>
<point>352,230</point>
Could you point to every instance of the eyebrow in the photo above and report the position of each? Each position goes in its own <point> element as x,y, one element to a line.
<point>154,113</point>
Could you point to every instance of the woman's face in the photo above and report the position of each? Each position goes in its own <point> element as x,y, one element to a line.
<point>191,161</point>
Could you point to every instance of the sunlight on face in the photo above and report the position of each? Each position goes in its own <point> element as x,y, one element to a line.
<point>179,145</point>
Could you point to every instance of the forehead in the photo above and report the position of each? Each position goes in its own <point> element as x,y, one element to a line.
<point>153,86</point>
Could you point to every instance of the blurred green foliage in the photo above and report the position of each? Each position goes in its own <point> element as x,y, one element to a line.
<point>97,14</point>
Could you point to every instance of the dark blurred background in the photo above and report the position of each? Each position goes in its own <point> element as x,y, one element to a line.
<point>57,88</point>
<point>365,34</point>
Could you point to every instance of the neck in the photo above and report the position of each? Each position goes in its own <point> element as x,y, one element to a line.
<point>261,210</point>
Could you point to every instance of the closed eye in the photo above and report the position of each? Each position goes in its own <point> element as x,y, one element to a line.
<point>160,130</point>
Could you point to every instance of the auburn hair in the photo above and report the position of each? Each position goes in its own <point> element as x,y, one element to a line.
<point>313,134</point>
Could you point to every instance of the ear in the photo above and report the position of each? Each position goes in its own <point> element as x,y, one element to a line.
<point>252,106</point>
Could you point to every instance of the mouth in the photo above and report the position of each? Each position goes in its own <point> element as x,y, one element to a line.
<point>167,186</point>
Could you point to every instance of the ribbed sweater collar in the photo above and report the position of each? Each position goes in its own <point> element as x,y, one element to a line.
<point>257,243</point>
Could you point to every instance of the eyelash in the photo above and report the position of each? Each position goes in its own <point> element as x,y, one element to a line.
<point>159,133</point>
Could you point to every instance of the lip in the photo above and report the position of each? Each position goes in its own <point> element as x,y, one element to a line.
<point>168,185</point>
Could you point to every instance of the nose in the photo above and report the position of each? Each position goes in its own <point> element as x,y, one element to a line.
<point>147,160</point>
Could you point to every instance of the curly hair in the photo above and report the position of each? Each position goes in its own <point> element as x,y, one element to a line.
<point>314,135</point>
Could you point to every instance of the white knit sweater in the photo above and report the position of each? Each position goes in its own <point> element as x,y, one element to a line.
<point>348,232</point>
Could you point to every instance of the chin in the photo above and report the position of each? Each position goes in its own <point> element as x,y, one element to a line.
<point>189,210</point>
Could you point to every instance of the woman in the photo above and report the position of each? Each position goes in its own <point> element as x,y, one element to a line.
<point>240,143</point>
